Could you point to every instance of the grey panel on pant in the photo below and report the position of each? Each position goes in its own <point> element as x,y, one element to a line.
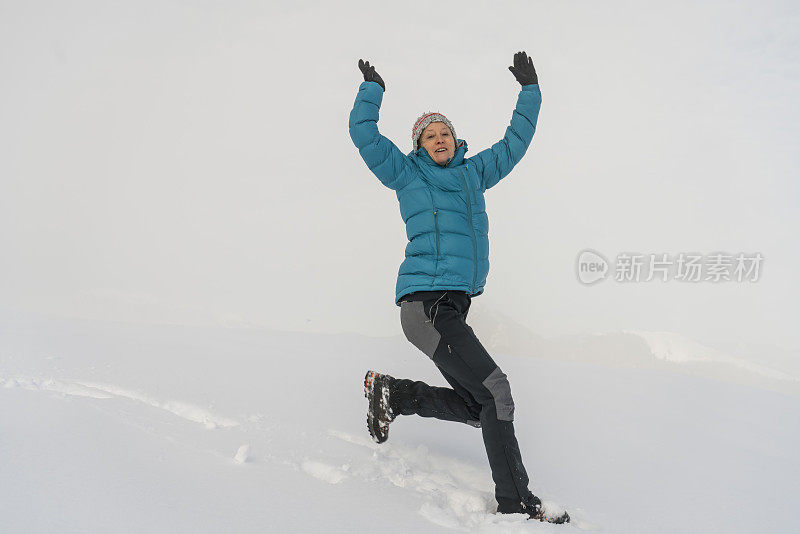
<point>417,328</point>
<point>498,386</point>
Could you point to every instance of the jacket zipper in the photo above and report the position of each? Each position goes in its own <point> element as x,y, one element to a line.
<point>436,225</point>
<point>474,239</point>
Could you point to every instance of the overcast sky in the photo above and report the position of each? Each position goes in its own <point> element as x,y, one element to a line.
<point>189,162</point>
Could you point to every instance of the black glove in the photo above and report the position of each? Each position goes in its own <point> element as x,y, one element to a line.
<point>369,73</point>
<point>523,69</point>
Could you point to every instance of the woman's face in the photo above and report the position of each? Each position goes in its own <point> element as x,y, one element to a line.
<point>438,140</point>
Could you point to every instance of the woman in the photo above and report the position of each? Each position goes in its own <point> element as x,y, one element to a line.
<point>447,259</point>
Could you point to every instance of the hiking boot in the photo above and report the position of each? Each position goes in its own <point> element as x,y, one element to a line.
<point>379,412</point>
<point>533,508</point>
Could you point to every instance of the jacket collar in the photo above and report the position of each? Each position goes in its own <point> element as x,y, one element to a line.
<point>458,157</point>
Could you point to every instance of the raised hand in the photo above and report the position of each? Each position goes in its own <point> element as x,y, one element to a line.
<point>523,69</point>
<point>369,73</point>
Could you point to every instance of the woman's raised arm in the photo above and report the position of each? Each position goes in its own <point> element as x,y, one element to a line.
<point>496,162</point>
<point>382,157</point>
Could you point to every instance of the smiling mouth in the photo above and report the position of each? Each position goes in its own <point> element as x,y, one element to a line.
<point>441,150</point>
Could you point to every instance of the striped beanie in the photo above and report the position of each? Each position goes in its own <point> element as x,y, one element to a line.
<point>424,121</point>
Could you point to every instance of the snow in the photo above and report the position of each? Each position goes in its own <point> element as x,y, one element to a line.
<point>327,473</point>
<point>107,391</point>
<point>675,348</point>
<point>242,454</point>
<point>188,163</point>
<point>121,428</point>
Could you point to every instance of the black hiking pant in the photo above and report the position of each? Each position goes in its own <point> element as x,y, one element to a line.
<point>435,322</point>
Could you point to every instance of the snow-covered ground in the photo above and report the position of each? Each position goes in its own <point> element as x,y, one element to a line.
<point>109,427</point>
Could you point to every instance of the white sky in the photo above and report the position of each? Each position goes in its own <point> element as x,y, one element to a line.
<point>189,162</point>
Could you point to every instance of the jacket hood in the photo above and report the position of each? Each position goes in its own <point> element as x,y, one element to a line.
<point>458,157</point>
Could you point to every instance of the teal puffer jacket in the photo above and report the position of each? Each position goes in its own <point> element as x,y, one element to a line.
<point>442,206</point>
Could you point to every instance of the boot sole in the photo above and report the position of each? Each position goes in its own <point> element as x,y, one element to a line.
<point>379,433</point>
